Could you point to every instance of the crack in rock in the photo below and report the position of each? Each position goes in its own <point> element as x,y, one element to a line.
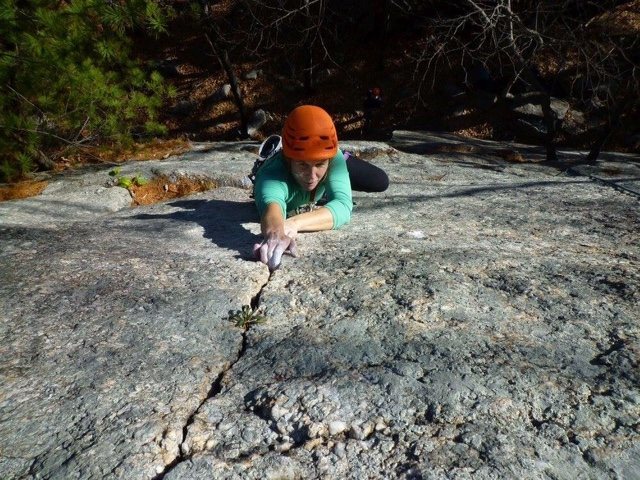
<point>216,388</point>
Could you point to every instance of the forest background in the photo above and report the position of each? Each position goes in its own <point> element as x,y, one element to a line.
<point>107,80</point>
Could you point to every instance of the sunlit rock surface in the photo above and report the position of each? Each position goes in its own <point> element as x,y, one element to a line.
<point>480,319</point>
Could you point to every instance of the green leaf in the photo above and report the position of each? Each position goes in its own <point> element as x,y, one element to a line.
<point>104,50</point>
<point>125,182</point>
<point>7,171</point>
<point>25,163</point>
<point>7,12</point>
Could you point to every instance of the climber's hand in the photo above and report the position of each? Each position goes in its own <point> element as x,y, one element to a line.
<point>271,249</point>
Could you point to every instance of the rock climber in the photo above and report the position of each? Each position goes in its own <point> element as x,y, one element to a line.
<point>306,186</point>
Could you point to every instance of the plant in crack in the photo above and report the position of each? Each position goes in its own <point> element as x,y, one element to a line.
<point>247,316</point>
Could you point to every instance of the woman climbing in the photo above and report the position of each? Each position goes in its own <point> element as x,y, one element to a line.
<point>306,186</point>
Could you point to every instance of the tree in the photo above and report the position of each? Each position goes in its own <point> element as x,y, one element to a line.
<point>299,33</point>
<point>295,41</point>
<point>538,44</point>
<point>68,78</point>
<point>223,57</point>
<point>304,36</point>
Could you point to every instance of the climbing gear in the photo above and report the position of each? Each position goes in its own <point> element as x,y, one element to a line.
<point>309,135</point>
<point>271,146</point>
<point>268,148</point>
<point>308,207</point>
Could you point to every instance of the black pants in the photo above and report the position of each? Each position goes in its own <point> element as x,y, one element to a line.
<point>364,176</point>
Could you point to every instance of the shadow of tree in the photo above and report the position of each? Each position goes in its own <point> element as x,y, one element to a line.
<point>461,191</point>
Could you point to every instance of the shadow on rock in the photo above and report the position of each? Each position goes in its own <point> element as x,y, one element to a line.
<point>399,200</point>
<point>222,222</point>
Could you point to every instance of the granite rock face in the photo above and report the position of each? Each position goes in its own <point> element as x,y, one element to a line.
<point>479,319</point>
<point>115,330</point>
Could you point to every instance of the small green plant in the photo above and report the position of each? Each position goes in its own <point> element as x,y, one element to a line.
<point>247,316</point>
<point>127,182</point>
<point>139,180</point>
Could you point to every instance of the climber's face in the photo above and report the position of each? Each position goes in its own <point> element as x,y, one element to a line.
<point>309,174</point>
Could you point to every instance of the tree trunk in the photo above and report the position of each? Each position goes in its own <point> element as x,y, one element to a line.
<point>308,50</point>
<point>223,57</point>
<point>45,162</point>
<point>381,12</point>
<point>308,70</point>
<point>613,123</point>
<point>545,102</point>
<point>549,116</point>
<point>596,147</point>
<point>550,122</point>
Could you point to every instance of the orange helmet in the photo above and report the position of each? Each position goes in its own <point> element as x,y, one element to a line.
<point>309,134</point>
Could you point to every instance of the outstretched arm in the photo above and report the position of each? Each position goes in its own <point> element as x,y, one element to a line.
<point>314,221</point>
<point>272,221</point>
<point>275,242</point>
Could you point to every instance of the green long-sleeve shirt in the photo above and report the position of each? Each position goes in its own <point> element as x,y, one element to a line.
<point>275,184</point>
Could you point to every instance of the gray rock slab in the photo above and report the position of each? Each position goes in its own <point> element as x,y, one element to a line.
<point>468,323</point>
<point>89,194</point>
<point>621,171</point>
<point>479,319</point>
<point>64,202</point>
<point>114,331</point>
<point>613,168</point>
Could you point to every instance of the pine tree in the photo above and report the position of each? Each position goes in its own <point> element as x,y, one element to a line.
<point>68,77</point>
